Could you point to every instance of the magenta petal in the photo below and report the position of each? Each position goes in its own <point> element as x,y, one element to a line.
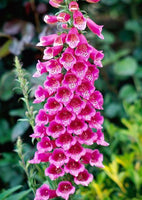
<point>96,121</point>
<point>95,28</point>
<point>83,178</point>
<point>58,157</point>
<point>64,189</point>
<point>74,167</point>
<point>78,20</point>
<point>77,126</point>
<point>64,117</point>
<point>53,172</point>
<point>87,112</point>
<point>52,106</point>
<point>96,99</point>
<point>100,138</point>
<point>72,38</point>
<point>44,145</point>
<point>55,129</point>
<point>65,141</point>
<point>76,151</point>
<point>41,117</point>
<point>63,95</point>
<point>45,193</point>
<point>87,137</point>
<point>76,104</point>
<point>96,159</point>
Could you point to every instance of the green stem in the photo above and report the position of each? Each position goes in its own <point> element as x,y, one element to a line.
<point>25,90</point>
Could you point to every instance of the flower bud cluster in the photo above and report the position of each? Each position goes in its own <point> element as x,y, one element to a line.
<point>71,103</point>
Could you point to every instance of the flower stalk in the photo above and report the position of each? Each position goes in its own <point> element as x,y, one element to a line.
<point>65,125</point>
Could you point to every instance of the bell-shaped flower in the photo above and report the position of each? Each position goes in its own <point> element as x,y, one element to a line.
<point>76,104</point>
<point>65,117</point>
<point>83,178</point>
<point>63,17</point>
<point>40,157</point>
<point>92,73</point>
<point>63,95</point>
<point>77,126</point>
<point>41,68</point>
<point>51,84</point>
<point>79,20</point>
<point>41,117</point>
<point>100,138</point>
<point>73,6</point>
<point>45,193</point>
<point>85,89</point>
<point>97,56</point>
<point>47,40</point>
<point>95,28</point>
<point>96,121</point>
<point>54,172</point>
<point>83,49</point>
<point>65,189</point>
<point>68,59</point>
<point>72,38</point>
<point>87,137</point>
<point>76,151</point>
<point>74,167</point>
<point>40,94</point>
<point>96,99</point>
<point>51,52</point>
<point>87,112</point>
<point>55,3</point>
<point>39,131</point>
<point>54,67</point>
<point>58,157</point>
<point>44,145</point>
<point>96,159</point>
<point>79,69</point>
<point>71,81</point>
<point>52,106</point>
<point>85,159</point>
<point>60,40</point>
<point>65,141</point>
<point>55,129</point>
<point>50,19</point>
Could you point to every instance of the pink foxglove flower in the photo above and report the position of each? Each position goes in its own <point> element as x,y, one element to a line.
<point>64,189</point>
<point>55,3</point>
<point>69,118</point>
<point>73,6</point>
<point>44,192</point>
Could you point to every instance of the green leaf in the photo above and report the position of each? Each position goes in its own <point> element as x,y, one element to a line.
<point>7,84</point>
<point>112,110</point>
<point>4,50</point>
<point>8,192</point>
<point>19,196</point>
<point>5,133</point>
<point>19,129</point>
<point>125,67</point>
<point>133,25</point>
<point>128,93</point>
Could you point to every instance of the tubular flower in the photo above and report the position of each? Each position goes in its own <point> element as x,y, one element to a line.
<point>71,103</point>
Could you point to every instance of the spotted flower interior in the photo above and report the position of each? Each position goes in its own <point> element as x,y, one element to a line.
<point>71,103</point>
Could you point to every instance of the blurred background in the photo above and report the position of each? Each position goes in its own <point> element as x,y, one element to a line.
<point>21,25</point>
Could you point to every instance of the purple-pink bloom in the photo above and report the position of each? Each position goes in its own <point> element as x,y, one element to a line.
<point>77,126</point>
<point>79,20</point>
<point>74,167</point>
<point>55,129</point>
<point>83,178</point>
<point>76,151</point>
<point>87,137</point>
<point>44,145</point>
<point>45,193</point>
<point>96,159</point>
<point>65,141</point>
<point>96,121</point>
<point>64,189</point>
<point>72,38</point>
<point>52,106</point>
<point>41,117</point>
<point>100,138</point>
<point>59,157</point>
<point>54,172</point>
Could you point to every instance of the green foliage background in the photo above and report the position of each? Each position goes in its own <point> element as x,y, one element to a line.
<point>120,82</point>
